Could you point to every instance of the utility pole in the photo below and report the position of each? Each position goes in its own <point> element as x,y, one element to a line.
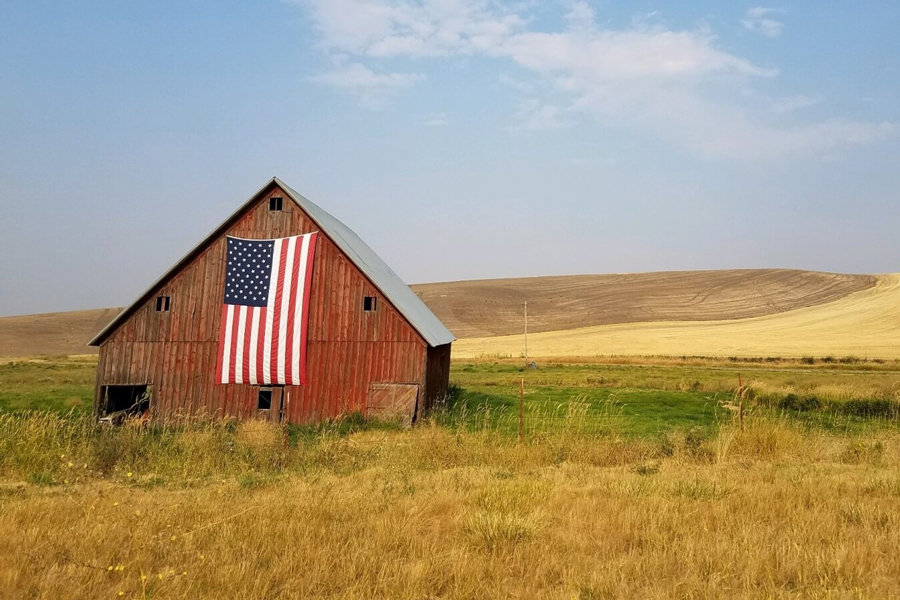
<point>526,334</point>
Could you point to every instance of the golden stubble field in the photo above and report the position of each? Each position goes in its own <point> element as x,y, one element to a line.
<point>492,307</point>
<point>435,513</point>
<point>863,324</point>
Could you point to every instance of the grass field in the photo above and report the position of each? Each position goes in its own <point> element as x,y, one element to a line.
<point>863,324</point>
<point>633,480</point>
<point>632,395</point>
<point>230,511</point>
<point>55,383</point>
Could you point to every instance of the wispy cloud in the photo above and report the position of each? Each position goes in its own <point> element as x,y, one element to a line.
<point>532,115</point>
<point>784,106</point>
<point>386,28</point>
<point>759,20</point>
<point>677,85</point>
<point>435,120</point>
<point>372,89</point>
<point>580,16</point>
<point>516,84</point>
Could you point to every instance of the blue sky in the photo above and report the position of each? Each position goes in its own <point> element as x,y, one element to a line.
<point>461,138</point>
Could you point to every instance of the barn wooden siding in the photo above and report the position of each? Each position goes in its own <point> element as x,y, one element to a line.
<point>175,352</point>
<point>437,373</point>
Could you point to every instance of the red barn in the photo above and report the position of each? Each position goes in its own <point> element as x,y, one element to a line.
<point>372,346</point>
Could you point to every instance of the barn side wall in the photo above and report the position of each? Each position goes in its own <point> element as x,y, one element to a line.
<point>348,348</point>
<point>437,374</point>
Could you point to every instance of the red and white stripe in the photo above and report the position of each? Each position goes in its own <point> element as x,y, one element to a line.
<point>266,345</point>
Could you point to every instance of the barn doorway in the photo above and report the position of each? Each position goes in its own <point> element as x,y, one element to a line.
<point>121,401</point>
<point>270,405</point>
<point>393,401</point>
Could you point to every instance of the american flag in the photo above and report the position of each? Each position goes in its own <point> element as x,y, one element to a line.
<point>262,339</point>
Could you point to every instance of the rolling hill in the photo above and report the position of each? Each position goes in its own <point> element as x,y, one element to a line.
<point>52,333</point>
<point>480,311</point>
<point>865,324</point>
<point>487,308</point>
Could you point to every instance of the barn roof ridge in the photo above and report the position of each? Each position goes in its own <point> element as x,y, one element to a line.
<point>400,295</point>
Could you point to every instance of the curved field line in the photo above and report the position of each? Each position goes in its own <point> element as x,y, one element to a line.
<point>863,324</point>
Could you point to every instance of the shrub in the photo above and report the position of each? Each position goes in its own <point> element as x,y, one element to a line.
<point>799,403</point>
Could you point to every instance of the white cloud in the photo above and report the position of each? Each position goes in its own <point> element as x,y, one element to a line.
<point>373,89</point>
<point>677,85</point>
<point>747,141</point>
<point>758,20</point>
<point>516,84</point>
<point>784,106</point>
<point>386,28</point>
<point>435,120</point>
<point>581,16</point>
<point>534,116</point>
<point>608,57</point>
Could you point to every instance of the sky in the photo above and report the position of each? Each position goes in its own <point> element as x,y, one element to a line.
<point>461,139</point>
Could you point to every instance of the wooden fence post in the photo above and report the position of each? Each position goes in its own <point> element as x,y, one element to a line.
<point>741,392</point>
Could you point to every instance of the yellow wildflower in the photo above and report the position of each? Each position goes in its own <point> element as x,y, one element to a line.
<point>128,474</point>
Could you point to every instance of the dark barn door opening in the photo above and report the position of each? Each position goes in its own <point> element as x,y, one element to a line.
<point>125,400</point>
<point>270,404</point>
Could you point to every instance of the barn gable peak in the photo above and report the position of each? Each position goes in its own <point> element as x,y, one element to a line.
<point>360,254</point>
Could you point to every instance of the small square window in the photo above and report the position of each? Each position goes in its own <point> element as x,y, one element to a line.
<point>370,303</point>
<point>276,203</point>
<point>162,304</point>
<point>264,401</point>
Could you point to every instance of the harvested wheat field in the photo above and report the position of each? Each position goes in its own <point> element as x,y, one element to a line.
<point>493,307</point>
<point>487,308</point>
<point>52,333</point>
<point>864,324</point>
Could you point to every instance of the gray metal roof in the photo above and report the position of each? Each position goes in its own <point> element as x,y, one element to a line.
<point>382,276</point>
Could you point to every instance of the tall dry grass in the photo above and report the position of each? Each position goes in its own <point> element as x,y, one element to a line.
<point>224,510</point>
<point>847,399</point>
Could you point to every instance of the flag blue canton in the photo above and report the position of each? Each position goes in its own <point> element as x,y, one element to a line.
<point>249,272</point>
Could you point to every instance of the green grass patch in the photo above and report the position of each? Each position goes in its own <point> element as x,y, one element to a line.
<point>59,384</point>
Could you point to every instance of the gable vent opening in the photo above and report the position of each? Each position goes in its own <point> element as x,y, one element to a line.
<point>370,303</point>
<point>276,204</point>
<point>162,304</point>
